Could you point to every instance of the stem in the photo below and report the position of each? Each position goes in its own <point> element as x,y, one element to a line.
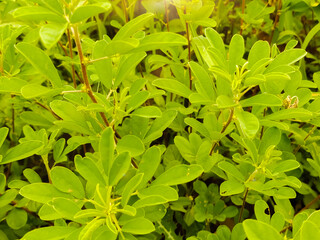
<point>276,20</point>
<point>223,129</point>
<point>167,14</point>
<point>262,128</point>
<point>243,203</point>
<point>71,56</point>
<point>43,106</point>
<point>308,135</point>
<point>242,11</point>
<point>46,163</point>
<point>84,72</point>
<point>124,5</point>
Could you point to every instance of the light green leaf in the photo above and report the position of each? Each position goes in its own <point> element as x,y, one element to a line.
<point>21,151</point>
<point>285,166</point>
<point>249,123</point>
<point>106,148</point>
<point>168,193</point>
<point>179,174</point>
<point>84,12</point>
<point>11,85</point>
<point>260,208</point>
<point>130,187</point>
<point>263,99</point>
<point>231,187</point>
<point>297,113</point>
<point>215,40</point>
<point>287,57</point>
<point>172,85</point>
<point>232,170</point>
<point>131,144</point>
<point>66,181</point>
<point>138,226</point>
<point>224,101</point>
<point>236,51</point>
<point>37,13</point>
<point>17,218</point>
<point>259,50</point>
<point>3,134</point>
<point>40,61</point>
<point>42,192</point>
<point>147,112</point>
<point>149,201</point>
<point>49,233</point>
<point>133,26</point>
<point>35,90</point>
<point>119,168</point>
<point>66,208</point>
<point>256,230</point>
<point>51,33</point>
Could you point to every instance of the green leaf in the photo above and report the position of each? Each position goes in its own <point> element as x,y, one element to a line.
<point>66,181</point>
<point>285,166</point>
<point>3,182</point>
<point>42,192</point>
<point>51,33</point>
<point>40,61</point>
<point>168,193</point>
<point>287,57</point>
<point>131,144</point>
<point>3,134</point>
<point>8,197</point>
<point>49,233</point>
<point>260,208</point>
<point>215,40</point>
<point>172,85</point>
<point>264,99</point>
<point>133,26</point>
<point>296,113</point>
<point>66,208</point>
<point>106,148</point>
<point>147,112</point>
<point>179,174</point>
<point>159,125</point>
<point>149,164</point>
<point>137,100</point>
<point>256,230</point>
<point>130,187</point>
<point>236,51</point>
<point>89,170</point>
<point>21,151</point>
<point>35,90</point>
<point>37,13</point>
<point>232,170</point>
<point>224,101</point>
<point>231,187</point>
<point>271,136</point>
<point>149,201</point>
<point>119,168</point>
<point>204,85</point>
<point>127,66</point>
<point>160,40</point>
<point>249,123</point>
<point>309,230</point>
<point>31,175</point>
<point>11,85</point>
<point>84,12</point>
<point>17,218</point>
<point>138,226</point>
<point>259,50</point>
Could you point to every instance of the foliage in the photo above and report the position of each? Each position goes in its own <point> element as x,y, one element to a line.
<point>159,119</point>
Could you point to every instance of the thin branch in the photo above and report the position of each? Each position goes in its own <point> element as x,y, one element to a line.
<point>243,203</point>
<point>71,56</point>
<point>242,11</point>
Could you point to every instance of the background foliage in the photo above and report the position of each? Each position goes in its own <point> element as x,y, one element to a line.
<point>159,119</point>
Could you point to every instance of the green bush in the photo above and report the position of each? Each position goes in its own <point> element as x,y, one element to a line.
<point>159,119</point>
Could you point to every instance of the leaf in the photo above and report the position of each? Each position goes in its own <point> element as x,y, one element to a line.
<point>133,26</point>
<point>236,51</point>
<point>127,66</point>
<point>21,151</point>
<point>31,175</point>
<point>49,233</point>
<point>178,174</point>
<point>309,230</point>
<point>106,148</point>
<point>11,85</point>
<point>249,123</point>
<point>67,111</point>
<point>287,57</point>
<point>259,50</point>
<point>262,211</point>
<point>296,113</point>
<point>197,126</point>
<point>66,181</point>
<point>51,33</point>
<point>224,101</point>
<point>147,112</point>
<point>131,144</point>
<point>66,208</point>
<point>8,197</point>
<point>231,187</point>
<point>285,166</point>
<point>149,201</point>
<point>130,187</point>
<point>215,40</point>
<point>3,134</point>
<point>37,13</point>
<point>17,218</point>
<point>204,85</point>
<point>172,85</point>
<point>168,193</point>
<point>263,99</point>
<point>232,170</point>
<point>138,226</point>
<point>84,12</point>
<point>35,90</point>
<point>159,125</point>
<point>160,40</point>
<point>42,192</point>
<point>119,168</point>
<point>89,170</point>
<point>40,61</point>
<point>149,164</point>
<point>259,230</point>
<point>137,100</point>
